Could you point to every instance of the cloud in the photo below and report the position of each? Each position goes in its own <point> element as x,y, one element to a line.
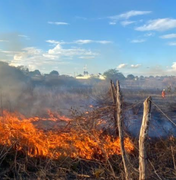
<point>168,36</point>
<point>158,25</point>
<point>125,23</point>
<point>80,42</point>
<point>104,42</point>
<point>27,53</point>
<point>80,17</point>
<point>120,66</point>
<point>112,23</point>
<point>58,23</point>
<point>86,57</point>
<point>91,41</point>
<point>56,55</point>
<point>58,51</point>
<point>24,36</point>
<point>171,69</point>
<point>149,34</point>
<point>172,44</point>
<point>138,41</point>
<point>174,66</point>
<point>2,40</point>
<point>85,41</point>
<point>53,41</point>
<point>8,52</point>
<point>129,14</point>
<point>135,65</point>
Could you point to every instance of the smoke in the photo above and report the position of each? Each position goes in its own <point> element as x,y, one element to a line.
<point>10,44</point>
<point>34,97</point>
<point>11,41</point>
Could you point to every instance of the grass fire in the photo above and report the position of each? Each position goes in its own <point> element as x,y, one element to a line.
<point>60,127</point>
<point>20,133</point>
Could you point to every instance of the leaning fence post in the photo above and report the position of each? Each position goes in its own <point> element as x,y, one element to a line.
<point>143,137</point>
<point>120,129</point>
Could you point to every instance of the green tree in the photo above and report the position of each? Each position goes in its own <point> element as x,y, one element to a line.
<point>114,74</point>
<point>54,73</point>
<point>130,77</point>
<point>35,73</point>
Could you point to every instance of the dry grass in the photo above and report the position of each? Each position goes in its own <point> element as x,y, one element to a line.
<point>161,165</point>
<point>161,157</point>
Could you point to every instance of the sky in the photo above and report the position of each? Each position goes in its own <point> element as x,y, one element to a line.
<point>70,36</point>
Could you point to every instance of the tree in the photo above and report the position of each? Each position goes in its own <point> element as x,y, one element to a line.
<point>54,73</point>
<point>113,74</point>
<point>130,77</point>
<point>24,69</point>
<point>35,73</point>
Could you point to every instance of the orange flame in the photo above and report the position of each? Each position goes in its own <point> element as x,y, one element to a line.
<point>19,132</point>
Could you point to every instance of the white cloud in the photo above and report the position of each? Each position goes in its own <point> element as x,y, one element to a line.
<point>83,18</point>
<point>8,52</point>
<point>129,14</point>
<point>172,44</point>
<point>55,55</point>
<point>112,23</point>
<point>91,41</point>
<point>149,34</point>
<point>24,36</point>
<point>85,41</point>
<point>58,51</point>
<point>120,66</point>
<point>173,67</point>
<point>27,53</point>
<point>138,41</point>
<point>125,23</point>
<point>135,65</point>
<point>104,42</point>
<point>53,41</point>
<point>168,36</point>
<point>158,25</point>
<point>81,41</point>
<point>58,23</point>
<point>86,57</point>
<point>2,40</point>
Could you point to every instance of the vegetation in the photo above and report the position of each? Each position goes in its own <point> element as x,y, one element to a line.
<point>114,74</point>
<point>89,105</point>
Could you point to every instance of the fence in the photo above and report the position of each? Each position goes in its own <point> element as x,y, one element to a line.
<point>144,145</point>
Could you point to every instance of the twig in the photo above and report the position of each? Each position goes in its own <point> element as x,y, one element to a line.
<point>173,157</point>
<point>155,170</point>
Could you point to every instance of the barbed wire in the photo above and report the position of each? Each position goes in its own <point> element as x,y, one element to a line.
<point>163,113</point>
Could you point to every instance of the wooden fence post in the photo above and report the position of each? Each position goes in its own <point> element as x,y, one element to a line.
<point>120,130</point>
<point>113,95</point>
<point>143,137</point>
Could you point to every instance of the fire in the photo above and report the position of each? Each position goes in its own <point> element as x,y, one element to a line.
<point>20,133</point>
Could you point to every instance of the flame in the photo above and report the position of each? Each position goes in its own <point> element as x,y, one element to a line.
<point>20,133</point>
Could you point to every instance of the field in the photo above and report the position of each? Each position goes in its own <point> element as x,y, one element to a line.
<point>71,135</point>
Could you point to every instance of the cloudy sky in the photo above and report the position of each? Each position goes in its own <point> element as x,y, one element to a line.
<point>134,36</point>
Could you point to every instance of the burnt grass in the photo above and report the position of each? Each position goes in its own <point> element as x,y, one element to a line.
<point>161,154</point>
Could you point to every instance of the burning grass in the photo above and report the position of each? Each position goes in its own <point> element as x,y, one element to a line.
<point>71,148</point>
<point>75,148</point>
<point>20,132</point>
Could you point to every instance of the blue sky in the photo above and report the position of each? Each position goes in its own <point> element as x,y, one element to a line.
<point>134,36</point>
